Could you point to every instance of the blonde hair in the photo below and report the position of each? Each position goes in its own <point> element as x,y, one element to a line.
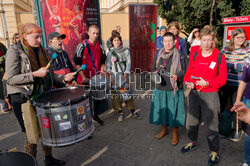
<point>236,32</point>
<point>209,30</point>
<point>174,24</point>
<point>93,27</point>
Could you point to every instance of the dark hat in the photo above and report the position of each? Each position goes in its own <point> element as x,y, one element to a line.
<point>56,34</point>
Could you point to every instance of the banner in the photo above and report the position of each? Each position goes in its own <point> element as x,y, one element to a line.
<point>142,36</point>
<point>70,18</point>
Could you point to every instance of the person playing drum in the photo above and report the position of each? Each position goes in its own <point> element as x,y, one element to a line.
<point>27,77</point>
<point>91,53</point>
<point>118,63</point>
<point>167,107</point>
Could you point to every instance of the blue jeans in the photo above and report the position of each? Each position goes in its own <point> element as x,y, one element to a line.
<point>247,139</point>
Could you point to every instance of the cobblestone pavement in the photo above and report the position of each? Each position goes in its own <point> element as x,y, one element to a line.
<point>128,143</point>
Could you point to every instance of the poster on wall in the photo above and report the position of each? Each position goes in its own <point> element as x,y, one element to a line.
<point>142,36</point>
<point>71,18</point>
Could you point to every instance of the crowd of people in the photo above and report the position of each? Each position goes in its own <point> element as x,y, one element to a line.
<point>212,81</point>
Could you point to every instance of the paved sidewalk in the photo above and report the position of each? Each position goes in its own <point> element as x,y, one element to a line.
<point>128,143</point>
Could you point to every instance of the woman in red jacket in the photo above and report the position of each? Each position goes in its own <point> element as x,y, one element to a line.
<point>206,73</point>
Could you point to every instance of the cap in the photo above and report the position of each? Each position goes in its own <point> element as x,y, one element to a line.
<point>163,27</point>
<point>56,34</point>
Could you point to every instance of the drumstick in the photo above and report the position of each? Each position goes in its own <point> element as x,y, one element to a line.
<point>54,56</point>
<point>237,123</point>
<point>200,89</point>
<point>83,67</point>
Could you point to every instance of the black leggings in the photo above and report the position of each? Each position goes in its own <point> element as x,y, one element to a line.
<point>16,101</point>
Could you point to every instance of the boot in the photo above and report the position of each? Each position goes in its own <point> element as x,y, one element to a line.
<point>175,138</point>
<point>162,133</point>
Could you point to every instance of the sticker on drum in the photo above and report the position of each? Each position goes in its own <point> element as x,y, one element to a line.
<point>80,110</point>
<point>81,127</point>
<point>79,118</point>
<point>45,122</point>
<point>57,117</point>
<point>65,126</point>
<point>65,117</point>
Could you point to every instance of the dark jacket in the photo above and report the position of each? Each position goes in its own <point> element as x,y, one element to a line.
<point>165,83</point>
<point>62,61</point>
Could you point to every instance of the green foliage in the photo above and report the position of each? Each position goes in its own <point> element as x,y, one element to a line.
<point>196,13</point>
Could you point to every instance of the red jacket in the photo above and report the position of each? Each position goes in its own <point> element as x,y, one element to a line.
<point>206,67</point>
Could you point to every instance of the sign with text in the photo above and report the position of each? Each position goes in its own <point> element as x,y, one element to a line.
<point>234,20</point>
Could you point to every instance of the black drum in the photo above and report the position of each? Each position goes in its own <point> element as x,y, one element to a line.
<point>64,116</point>
<point>17,159</point>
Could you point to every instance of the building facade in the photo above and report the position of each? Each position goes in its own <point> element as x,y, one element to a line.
<point>12,14</point>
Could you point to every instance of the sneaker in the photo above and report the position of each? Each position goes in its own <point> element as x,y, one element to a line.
<point>136,115</point>
<point>244,164</point>
<point>213,158</point>
<point>190,146</point>
<point>120,117</point>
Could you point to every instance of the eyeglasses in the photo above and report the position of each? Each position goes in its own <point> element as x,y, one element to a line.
<point>240,38</point>
<point>17,37</point>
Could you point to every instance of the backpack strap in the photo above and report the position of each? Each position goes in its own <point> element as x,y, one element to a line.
<point>195,55</point>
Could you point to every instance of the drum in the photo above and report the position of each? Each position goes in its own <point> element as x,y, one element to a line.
<point>17,158</point>
<point>98,87</point>
<point>122,88</point>
<point>156,78</point>
<point>64,116</point>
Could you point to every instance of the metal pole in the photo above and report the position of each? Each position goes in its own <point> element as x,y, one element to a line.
<point>5,24</point>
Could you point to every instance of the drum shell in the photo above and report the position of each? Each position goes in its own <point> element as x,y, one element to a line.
<point>65,124</point>
<point>17,158</point>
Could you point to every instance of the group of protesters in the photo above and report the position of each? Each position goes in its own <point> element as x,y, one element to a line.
<point>212,81</point>
<point>215,81</point>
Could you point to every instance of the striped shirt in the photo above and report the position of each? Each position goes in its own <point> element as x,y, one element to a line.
<point>235,64</point>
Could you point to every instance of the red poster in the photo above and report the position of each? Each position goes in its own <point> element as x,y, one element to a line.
<point>70,18</point>
<point>230,30</point>
<point>142,36</point>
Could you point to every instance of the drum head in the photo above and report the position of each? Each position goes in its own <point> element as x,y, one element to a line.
<point>62,96</point>
<point>17,158</point>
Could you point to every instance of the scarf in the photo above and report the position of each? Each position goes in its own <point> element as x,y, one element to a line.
<point>116,51</point>
<point>175,66</point>
<point>41,84</point>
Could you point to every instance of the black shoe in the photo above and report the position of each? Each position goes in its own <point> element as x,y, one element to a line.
<point>96,118</point>
<point>51,161</point>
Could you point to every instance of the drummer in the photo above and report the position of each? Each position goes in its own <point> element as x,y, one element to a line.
<point>27,78</point>
<point>119,63</point>
<point>94,57</point>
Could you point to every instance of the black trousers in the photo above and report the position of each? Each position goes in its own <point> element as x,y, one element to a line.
<point>206,106</point>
